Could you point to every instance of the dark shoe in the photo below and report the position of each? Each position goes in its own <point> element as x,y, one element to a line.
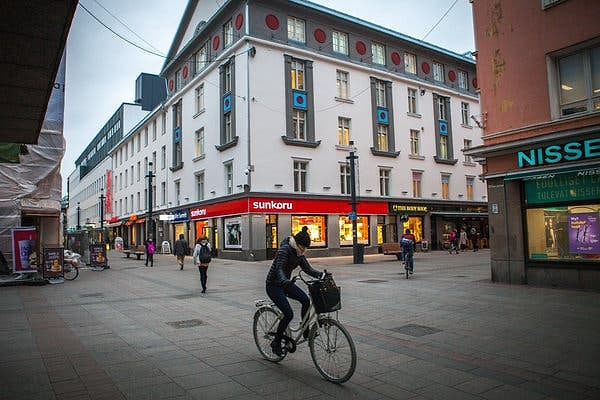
<point>410,272</point>
<point>203,291</point>
<point>181,267</point>
<point>306,333</point>
<point>276,347</point>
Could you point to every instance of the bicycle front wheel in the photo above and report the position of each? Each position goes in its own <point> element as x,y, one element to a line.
<point>264,327</point>
<point>332,350</point>
<point>71,273</point>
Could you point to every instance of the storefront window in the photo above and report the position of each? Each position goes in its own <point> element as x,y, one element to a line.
<point>233,233</point>
<point>202,229</point>
<point>362,230</point>
<point>564,233</point>
<point>179,230</point>
<point>316,225</point>
<point>415,224</point>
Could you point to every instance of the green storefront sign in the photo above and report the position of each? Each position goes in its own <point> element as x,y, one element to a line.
<point>568,187</point>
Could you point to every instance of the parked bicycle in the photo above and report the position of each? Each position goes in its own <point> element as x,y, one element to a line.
<point>71,263</point>
<point>331,346</point>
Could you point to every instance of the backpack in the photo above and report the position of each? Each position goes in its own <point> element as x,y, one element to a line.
<point>204,254</point>
<point>151,248</point>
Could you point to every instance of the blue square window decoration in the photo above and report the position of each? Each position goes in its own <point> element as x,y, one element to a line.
<point>299,99</point>
<point>382,116</point>
<point>227,103</point>
<point>443,126</point>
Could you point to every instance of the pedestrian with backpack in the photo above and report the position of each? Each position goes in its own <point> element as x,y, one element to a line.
<point>180,250</point>
<point>202,258</point>
<point>150,250</point>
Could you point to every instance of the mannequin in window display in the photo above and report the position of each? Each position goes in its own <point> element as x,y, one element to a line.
<point>561,237</point>
<point>550,236</point>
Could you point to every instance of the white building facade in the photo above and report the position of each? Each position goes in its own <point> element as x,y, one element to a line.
<point>266,101</point>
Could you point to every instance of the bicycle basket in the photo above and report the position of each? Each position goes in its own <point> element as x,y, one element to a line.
<point>325,295</point>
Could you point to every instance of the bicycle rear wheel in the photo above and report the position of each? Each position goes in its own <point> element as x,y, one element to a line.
<point>71,272</point>
<point>263,328</point>
<point>332,350</point>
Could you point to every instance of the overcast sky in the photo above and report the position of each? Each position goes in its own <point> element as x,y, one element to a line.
<point>102,68</point>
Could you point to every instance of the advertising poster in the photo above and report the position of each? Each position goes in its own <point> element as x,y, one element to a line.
<point>97,256</point>
<point>233,234</point>
<point>24,245</point>
<point>584,233</point>
<point>53,263</point>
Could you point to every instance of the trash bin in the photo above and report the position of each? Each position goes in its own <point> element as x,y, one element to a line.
<point>358,252</point>
<point>424,246</point>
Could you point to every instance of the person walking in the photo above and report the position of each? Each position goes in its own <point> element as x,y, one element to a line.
<point>453,241</point>
<point>202,259</point>
<point>474,239</point>
<point>180,250</point>
<point>462,241</point>
<point>150,250</point>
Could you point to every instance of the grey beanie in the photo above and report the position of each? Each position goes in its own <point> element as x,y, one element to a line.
<point>303,238</point>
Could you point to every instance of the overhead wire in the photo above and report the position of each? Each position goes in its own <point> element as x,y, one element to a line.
<point>440,20</point>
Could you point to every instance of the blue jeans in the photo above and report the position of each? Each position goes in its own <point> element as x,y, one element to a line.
<point>407,255</point>
<point>279,296</point>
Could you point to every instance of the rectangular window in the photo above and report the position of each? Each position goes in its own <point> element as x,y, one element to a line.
<point>470,181</point>
<point>163,157</point>
<point>177,193</point>
<point>382,137</point>
<point>317,228</point>
<point>299,124</point>
<point>297,75</point>
<point>164,123</point>
<point>177,134</point>
<point>228,34</point>
<point>465,113</point>
<point>438,72</point>
<point>416,183</point>
<point>139,170</point>
<point>579,81</point>
<point>178,80</point>
<point>340,42</point>
<point>445,186</point>
<point>378,51</point>
<point>343,131</point>
<point>384,182</point>
<point>229,178</point>
<point>228,127</point>
<point>200,142</point>
<point>146,137</point>
<point>139,201</point>
<point>443,147</point>
<point>126,177</point>
<point>127,151</point>
<point>441,104</point>
<point>227,78</point>
<point>138,139</point>
<point>295,27</point>
<point>410,63</point>
<point>463,80</point>
<point>415,142</point>
<point>362,230</point>
<point>380,97</point>
<point>341,83</point>
<point>200,186</point>
<point>467,143</point>
<point>163,193</point>
<point>201,58</point>
<point>412,101</point>
<point>345,179</point>
<point>199,97</point>
<point>154,130</point>
<point>300,175</point>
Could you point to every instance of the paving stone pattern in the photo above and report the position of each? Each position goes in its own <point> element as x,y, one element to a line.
<point>133,332</point>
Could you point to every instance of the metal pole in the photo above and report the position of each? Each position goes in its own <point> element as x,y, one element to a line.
<point>78,217</point>
<point>356,249</point>
<point>149,224</point>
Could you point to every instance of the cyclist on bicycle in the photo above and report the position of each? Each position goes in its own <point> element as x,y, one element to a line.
<point>280,286</point>
<point>407,242</point>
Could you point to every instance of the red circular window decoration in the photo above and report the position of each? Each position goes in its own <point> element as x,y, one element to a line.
<point>216,41</point>
<point>475,83</point>
<point>396,58</point>
<point>184,72</point>
<point>171,85</point>
<point>361,48</point>
<point>320,35</point>
<point>226,102</point>
<point>452,76</point>
<point>272,22</point>
<point>425,67</point>
<point>239,21</point>
<point>299,100</point>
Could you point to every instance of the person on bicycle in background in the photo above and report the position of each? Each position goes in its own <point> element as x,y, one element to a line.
<point>280,286</point>
<point>408,242</point>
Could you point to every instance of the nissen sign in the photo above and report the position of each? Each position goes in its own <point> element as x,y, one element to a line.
<point>559,153</point>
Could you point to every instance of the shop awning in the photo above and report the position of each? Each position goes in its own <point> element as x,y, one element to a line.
<point>458,214</point>
<point>548,172</point>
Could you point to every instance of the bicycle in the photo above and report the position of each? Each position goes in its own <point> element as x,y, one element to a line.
<point>331,346</point>
<point>71,264</point>
<point>407,257</point>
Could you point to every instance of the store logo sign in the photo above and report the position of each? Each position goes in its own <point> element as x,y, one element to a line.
<point>554,154</point>
<point>198,212</point>
<point>272,205</point>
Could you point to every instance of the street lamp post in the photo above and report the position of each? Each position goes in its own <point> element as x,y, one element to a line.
<point>78,217</point>
<point>149,224</point>
<point>357,250</point>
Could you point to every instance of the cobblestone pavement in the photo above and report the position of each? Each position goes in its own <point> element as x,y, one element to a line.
<point>133,332</point>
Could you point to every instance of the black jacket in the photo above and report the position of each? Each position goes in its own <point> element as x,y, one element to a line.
<point>180,248</point>
<point>286,260</point>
